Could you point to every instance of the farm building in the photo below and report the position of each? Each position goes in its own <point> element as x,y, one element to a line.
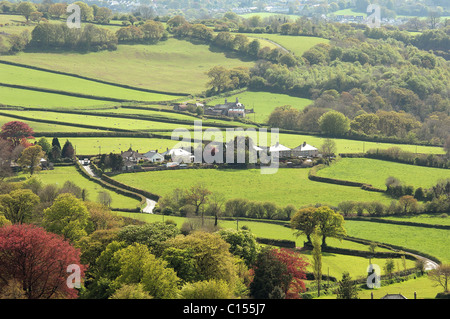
<point>232,109</point>
<point>132,156</point>
<point>305,150</point>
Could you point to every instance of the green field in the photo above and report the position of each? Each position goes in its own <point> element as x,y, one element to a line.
<point>106,145</point>
<point>287,186</point>
<point>169,66</point>
<point>263,103</point>
<point>424,219</point>
<point>431,241</point>
<point>375,172</point>
<point>60,175</point>
<point>28,98</point>
<point>28,77</point>
<point>44,127</point>
<point>295,44</point>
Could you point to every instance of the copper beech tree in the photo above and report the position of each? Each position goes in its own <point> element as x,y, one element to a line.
<point>38,261</point>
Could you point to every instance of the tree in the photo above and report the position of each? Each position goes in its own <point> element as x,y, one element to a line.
<point>334,123</point>
<point>242,244</point>
<point>30,159</point>
<point>219,79</point>
<point>304,223</point>
<point>329,223</point>
<point>5,159</point>
<point>389,267</point>
<point>57,9</point>
<point>441,275</point>
<point>207,289</point>
<point>67,151</point>
<point>18,205</point>
<point>87,12</point>
<point>16,132</point>
<point>408,204</point>
<point>347,288</point>
<point>38,260</point>
<point>197,196</point>
<point>104,198</point>
<point>317,260</point>
<point>68,216</point>
<point>45,145</point>
<point>26,9</point>
<point>131,291</point>
<point>328,148</point>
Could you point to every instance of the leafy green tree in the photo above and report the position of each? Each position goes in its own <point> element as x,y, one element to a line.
<point>317,260</point>
<point>242,244</point>
<point>30,159</point>
<point>26,9</point>
<point>131,291</point>
<point>207,289</point>
<point>68,216</point>
<point>18,205</point>
<point>304,223</point>
<point>329,223</point>
<point>334,123</point>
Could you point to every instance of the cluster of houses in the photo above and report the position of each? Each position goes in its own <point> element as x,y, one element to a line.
<point>176,156</point>
<point>231,109</point>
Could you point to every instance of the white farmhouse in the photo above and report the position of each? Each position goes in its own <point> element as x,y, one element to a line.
<point>154,156</point>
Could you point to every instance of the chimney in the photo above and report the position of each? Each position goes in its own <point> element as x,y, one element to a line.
<point>304,144</point>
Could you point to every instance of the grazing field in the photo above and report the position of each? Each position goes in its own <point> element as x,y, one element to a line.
<point>264,103</point>
<point>110,122</point>
<point>28,98</point>
<point>441,219</point>
<point>287,186</point>
<point>375,172</point>
<point>176,66</point>
<point>41,79</point>
<point>106,145</point>
<point>431,241</point>
<point>60,175</point>
<point>296,44</point>
<point>44,127</point>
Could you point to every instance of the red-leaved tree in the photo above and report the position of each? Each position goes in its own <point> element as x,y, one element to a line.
<point>296,268</point>
<point>38,260</point>
<point>16,132</point>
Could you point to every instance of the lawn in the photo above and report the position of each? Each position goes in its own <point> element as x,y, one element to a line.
<point>287,186</point>
<point>428,240</point>
<point>60,175</point>
<point>170,66</point>
<point>28,77</point>
<point>264,103</point>
<point>375,172</point>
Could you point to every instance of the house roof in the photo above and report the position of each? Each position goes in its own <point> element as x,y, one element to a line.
<point>150,154</point>
<point>279,147</point>
<point>394,296</point>
<point>177,152</point>
<point>305,147</point>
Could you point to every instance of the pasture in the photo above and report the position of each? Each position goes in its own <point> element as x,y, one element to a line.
<point>295,44</point>
<point>60,175</point>
<point>375,172</point>
<point>47,80</point>
<point>287,186</point>
<point>170,66</point>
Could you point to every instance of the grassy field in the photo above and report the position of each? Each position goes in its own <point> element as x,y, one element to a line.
<point>432,241</point>
<point>28,98</point>
<point>287,186</point>
<point>44,127</point>
<point>296,44</point>
<point>60,175</point>
<point>28,77</point>
<point>264,103</point>
<point>424,218</point>
<point>106,145</point>
<point>375,172</point>
<point>154,67</point>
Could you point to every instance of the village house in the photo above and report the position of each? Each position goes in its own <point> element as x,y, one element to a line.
<point>179,155</point>
<point>305,150</point>
<point>154,157</point>
<point>131,156</point>
<point>282,150</point>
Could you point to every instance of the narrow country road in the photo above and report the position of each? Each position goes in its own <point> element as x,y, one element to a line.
<point>148,209</point>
